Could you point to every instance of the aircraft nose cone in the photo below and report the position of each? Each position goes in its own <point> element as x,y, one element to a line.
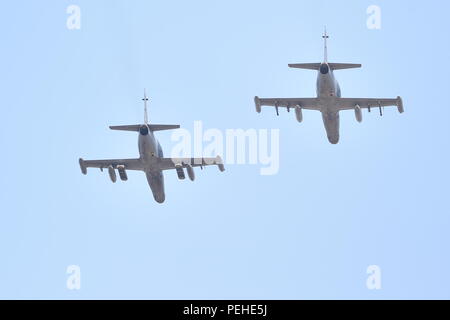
<point>160,198</point>
<point>143,130</point>
<point>324,69</point>
<point>333,139</point>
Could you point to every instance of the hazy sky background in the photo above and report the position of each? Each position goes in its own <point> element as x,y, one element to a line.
<point>378,197</point>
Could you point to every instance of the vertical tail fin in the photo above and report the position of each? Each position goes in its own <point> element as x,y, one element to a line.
<point>151,127</point>
<point>145,99</point>
<point>316,66</point>
<point>325,53</point>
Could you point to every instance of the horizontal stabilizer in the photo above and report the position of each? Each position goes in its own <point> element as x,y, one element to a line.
<point>133,127</point>
<point>152,127</point>
<point>316,66</point>
<point>310,66</point>
<point>160,127</point>
<point>339,66</point>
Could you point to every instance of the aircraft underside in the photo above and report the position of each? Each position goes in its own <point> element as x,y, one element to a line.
<point>156,183</point>
<point>331,123</point>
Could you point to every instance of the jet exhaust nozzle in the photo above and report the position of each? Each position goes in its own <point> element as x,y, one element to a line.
<point>144,130</point>
<point>324,68</point>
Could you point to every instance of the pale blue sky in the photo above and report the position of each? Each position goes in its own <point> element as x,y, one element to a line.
<point>378,197</point>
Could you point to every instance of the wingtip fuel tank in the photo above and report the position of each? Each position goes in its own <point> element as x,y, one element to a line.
<point>82,166</point>
<point>257,104</point>
<point>400,105</point>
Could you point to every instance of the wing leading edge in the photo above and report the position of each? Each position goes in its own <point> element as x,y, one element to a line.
<point>304,103</point>
<point>128,164</point>
<point>176,163</point>
<point>351,103</point>
<point>316,103</point>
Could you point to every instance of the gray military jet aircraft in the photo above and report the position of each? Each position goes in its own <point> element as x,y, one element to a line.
<point>328,100</point>
<point>151,159</point>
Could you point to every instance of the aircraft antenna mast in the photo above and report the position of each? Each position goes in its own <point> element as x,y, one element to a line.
<point>145,99</point>
<point>325,37</point>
